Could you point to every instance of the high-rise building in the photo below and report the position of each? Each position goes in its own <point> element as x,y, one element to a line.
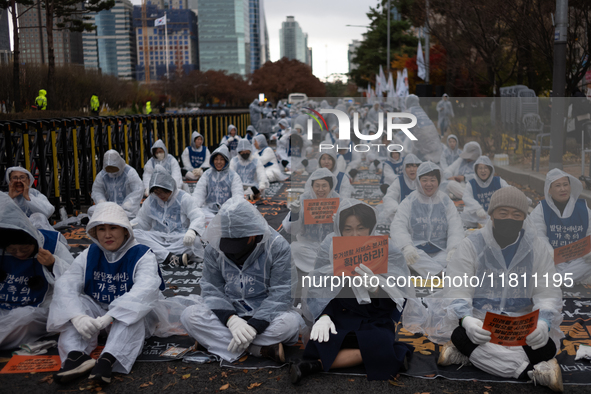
<point>5,52</point>
<point>259,36</point>
<point>224,36</point>
<point>351,54</point>
<point>181,28</point>
<point>293,42</point>
<point>67,45</point>
<point>111,47</point>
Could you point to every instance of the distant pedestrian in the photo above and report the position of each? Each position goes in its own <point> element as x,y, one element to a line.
<point>95,105</point>
<point>148,107</point>
<point>41,100</point>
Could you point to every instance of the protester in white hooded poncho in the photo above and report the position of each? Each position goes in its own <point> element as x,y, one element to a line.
<point>401,187</point>
<point>366,312</point>
<point>563,218</point>
<point>268,159</point>
<point>462,170</point>
<point>428,145</point>
<point>161,156</point>
<point>251,132</point>
<point>116,280</point>
<point>30,261</point>
<point>195,158</point>
<point>246,288</point>
<point>427,226</point>
<point>283,142</point>
<point>446,112</point>
<point>28,199</point>
<point>392,168</point>
<point>218,184</point>
<point>507,245</point>
<point>451,152</point>
<point>255,112</point>
<point>231,140</point>
<point>118,183</point>
<point>328,159</point>
<point>250,169</point>
<point>478,192</point>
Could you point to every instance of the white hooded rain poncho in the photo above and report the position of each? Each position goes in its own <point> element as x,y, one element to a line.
<point>463,166</point>
<point>27,286</point>
<point>428,145</point>
<point>446,112</point>
<point>163,225</point>
<point>195,158</point>
<point>123,187</point>
<point>258,291</point>
<point>268,159</point>
<point>448,156</point>
<point>125,284</point>
<point>38,203</point>
<point>343,186</point>
<point>231,142</point>
<point>430,225</point>
<point>216,187</point>
<point>251,171</point>
<point>400,188</point>
<point>559,229</point>
<point>168,162</point>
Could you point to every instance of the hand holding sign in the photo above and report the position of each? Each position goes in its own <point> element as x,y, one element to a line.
<point>513,330</point>
<point>573,250</point>
<point>320,210</point>
<point>351,252</point>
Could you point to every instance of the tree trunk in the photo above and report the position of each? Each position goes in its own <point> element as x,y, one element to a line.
<point>50,54</point>
<point>16,86</point>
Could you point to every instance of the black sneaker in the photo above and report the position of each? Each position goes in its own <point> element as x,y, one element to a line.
<point>172,261</point>
<point>102,370</point>
<point>77,364</point>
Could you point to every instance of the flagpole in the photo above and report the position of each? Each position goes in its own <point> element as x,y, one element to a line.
<point>166,38</point>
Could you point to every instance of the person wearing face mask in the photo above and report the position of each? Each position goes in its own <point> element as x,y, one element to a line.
<point>462,170</point>
<point>170,221</point>
<point>328,159</point>
<point>250,169</point>
<point>268,159</point>
<point>118,183</point>
<point>505,245</point>
<point>450,153</point>
<point>160,156</point>
<point>20,189</point>
<point>30,262</point>
<point>231,140</point>
<point>427,226</point>
<point>563,218</point>
<point>478,192</point>
<point>218,184</point>
<point>114,284</point>
<point>353,325</point>
<point>245,302</point>
<point>195,158</point>
<point>401,187</point>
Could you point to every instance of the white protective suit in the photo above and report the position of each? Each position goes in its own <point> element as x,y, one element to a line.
<point>464,166</point>
<point>193,158</point>
<point>38,203</point>
<point>169,163</point>
<point>284,143</point>
<point>388,173</point>
<point>23,309</point>
<point>268,159</point>
<point>398,191</point>
<point>448,156</point>
<point>427,221</point>
<point>231,142</point>
<point>446,112</point>
<point>124,187</point>
<point>251,171</point>
<point>574,224</point>
<point>163,225</point>
<point>428,145</point>
<point>259,291</point>
<point>128,283</point>
<point>343,186</point>
<point>216,187</point>
<point>255,112</point>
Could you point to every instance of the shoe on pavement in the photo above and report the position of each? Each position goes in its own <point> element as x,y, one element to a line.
<point>547,373</point>
<point>451,355</point>
<point>274,352</point>
<point>185,259</point>
<point>77,364</point>
<point>303,368</point>
<point>102,370</point>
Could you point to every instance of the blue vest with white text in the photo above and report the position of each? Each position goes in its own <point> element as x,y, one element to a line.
<point>563,231</point>
<point>396,167</point>
<point>483,194</point>
<point>404,189</point>
<point>197,158</point>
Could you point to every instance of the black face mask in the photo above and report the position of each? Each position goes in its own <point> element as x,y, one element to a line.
<point>238,249</point>
<point>245,156</point>
<point>506,231</point>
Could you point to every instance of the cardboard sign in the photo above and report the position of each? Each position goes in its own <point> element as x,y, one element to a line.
<point>30,364</point>
<point>510,330</point>
<point>572,251</point>
<point>320,210</point>
<point>349,252</point>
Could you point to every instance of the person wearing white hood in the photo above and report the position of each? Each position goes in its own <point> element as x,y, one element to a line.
<point>250,169</point>
<point>118,183</point>
<point>446,112</point>
<point>218,184</point>
<point>31,201</point>
<point>161,156</point>
<point>170,222</point>
<point>401,187</point>
<point>195,158</point>
<point>268,159</point>
<point>114,283</point>
<point>245,302</point>
<point>478,192</point>
<point>255,112</point>
<point>507,245</point>
<point>462,170</point>
<point>284,130</point>
<point>286,148</point>
<point>450,153</point>
<point>374,114</point>
<point>563,218</point>
<point>231,140</point>
<point>30,262</point>
<point>427,226</point>
<point>393,167</point>
<point>328,159</point>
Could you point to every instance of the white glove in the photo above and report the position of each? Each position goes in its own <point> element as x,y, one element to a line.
<point>85,325</point>
<point>450,254</point>
<point>104,321</point>
<point>322,328</point>
<point>295,206</point>
<point>242,333</point>
<point>364,271</point>
<point>235,347</point>
<point>481,213</point>
<point>474,330</point>
<point>147,192</point>
<point>189,238</point>
<point>539,337</point>
<point>133,223</point>
<point>197,172</point>
<point>411,254</point>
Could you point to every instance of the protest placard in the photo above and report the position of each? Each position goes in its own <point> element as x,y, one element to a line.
<point>320,210</point>
<point>510,330</point>
<point>573,250</point>
<point>350,252</point>
<point>30,364</point>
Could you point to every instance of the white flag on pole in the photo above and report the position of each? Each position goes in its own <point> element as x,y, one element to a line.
<point>383,82</point>
<point>379,88</point>
<point>422,72</point>
<point>160,21</point>
<point>399,84</point>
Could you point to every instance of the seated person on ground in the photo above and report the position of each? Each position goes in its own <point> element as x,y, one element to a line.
<point>268,159</point>
<point>250,169</point>
<point>450,153</point>
<point>393,167</point>
<point>402,186</point>
<point>161,156</point>
<point>28,199</point>
<point>462,170</point>
<point>195,158</point>
<point>231,140</point>
<point>328,160</point>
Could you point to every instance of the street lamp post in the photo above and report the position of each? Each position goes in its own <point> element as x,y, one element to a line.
<point>559,83</point>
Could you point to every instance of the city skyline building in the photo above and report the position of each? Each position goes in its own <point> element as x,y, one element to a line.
<point>259,36</point>
<point>293,42</point>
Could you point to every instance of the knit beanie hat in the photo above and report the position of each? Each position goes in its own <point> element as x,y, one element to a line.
<point>508,197</point>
